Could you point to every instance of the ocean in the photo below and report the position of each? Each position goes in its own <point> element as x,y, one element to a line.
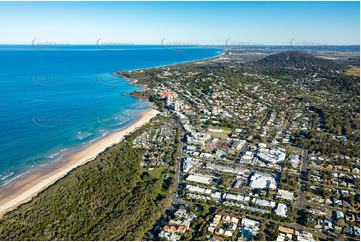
<point>58,99</point>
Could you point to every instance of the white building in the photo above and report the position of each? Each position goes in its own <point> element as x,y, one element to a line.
<point>281,210</point>
<point>263,180</point>
<point>294,160</point>
<point>199,189</point>
<point>340,215</point>
<point>198,138</point>
<point>189,163</point>
<point>240,198</point>
<point>216,195</point>
<point>200,179</point>
<point>241,144</point>
<point>176,106</point>
<point>282,237</point>
<point>304,236</point>
<point>264,203</point>
<point>274,156</point>
<point>283,194</point>
<point>249,223</point>
<point>229,169</point>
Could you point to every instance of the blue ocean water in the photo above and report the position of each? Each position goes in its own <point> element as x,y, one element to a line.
<point>60,98</point>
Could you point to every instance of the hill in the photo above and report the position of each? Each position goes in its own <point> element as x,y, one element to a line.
<point>292,62</point>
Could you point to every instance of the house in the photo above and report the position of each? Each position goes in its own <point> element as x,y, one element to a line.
<point>347,229</point>
<point>191,148</point>
<point>217,238</point>
<point>328,224</point>
<point>216,195</point>
<point>237,184</point>
<point>350,217</point>
<point>175,229</point>
<point>228,223</point>
<point>181,213</point>
<point>228,233</point>
<point>339,215</point>
<point>282,237</point>
<point>233,227</point>
<point>169,236</point>
<point>319,224</point>
<point>356,230</point>
<point>219,231</point>
<point>356,205</point>
<point>304,236</point>
<point>286,230</point>
<point>250,223</point>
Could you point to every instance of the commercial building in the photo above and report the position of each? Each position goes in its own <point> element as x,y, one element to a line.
<point>263,180</point>
<point>200,179</point>
<point>274,156</point>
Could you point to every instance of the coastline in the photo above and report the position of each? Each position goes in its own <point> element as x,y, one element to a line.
<point>25,187</point>
<point>119,73</point>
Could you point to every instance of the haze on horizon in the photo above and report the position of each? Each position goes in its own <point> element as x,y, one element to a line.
<point>213,23</point>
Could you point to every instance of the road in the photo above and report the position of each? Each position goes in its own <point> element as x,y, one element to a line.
<point>300,203</point>
<point>302,185</point>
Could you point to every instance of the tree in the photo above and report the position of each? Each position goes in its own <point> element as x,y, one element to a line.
<point>340,222</point>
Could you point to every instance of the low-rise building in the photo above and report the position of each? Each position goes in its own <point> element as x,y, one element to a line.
<point>281,210</point>
<point>286,195</point>
<point>199,189</point>
<point>224,224</point>
<point>189,163</point>
<point>274,156</point>
<point>250,223</point>
<point>263,180</point>
<point>200,179</point>
<point>304,236</point>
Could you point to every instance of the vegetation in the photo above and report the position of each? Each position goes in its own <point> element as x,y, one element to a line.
<point>290,100</point>
<point>109,198</point>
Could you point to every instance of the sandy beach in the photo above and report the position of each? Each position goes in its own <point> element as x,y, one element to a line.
<point>29,185</point>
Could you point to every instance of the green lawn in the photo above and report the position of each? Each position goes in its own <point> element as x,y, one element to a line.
<point>223,135</point>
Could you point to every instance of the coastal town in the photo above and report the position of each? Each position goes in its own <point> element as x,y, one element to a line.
<point>239,147</point>
<point>180,121</point>
<point>244,171</point>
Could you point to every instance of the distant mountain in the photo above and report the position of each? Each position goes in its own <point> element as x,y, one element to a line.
<point>294,61</point>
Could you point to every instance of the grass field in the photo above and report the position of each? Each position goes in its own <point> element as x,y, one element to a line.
<point>294,150</point>
<point>157,173</point>
<point>222,135</point>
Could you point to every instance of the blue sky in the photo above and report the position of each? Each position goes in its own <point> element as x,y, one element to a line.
<point>181,22</point>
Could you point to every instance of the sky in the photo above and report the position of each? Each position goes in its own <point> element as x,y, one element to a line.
<point>265,23</point>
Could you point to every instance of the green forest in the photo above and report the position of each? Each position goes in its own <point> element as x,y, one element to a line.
<point>109,198</point>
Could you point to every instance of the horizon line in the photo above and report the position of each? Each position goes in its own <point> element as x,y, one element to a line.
<point>49,44</point>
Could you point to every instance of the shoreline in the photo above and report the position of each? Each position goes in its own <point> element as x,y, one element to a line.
<point>25,187</point>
